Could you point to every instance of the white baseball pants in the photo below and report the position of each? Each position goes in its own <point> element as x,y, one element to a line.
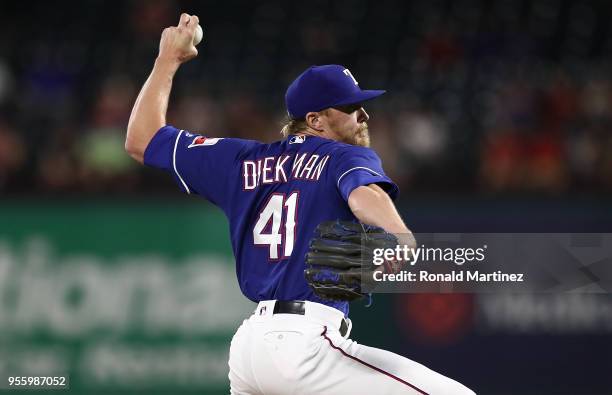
<point>290,354</point>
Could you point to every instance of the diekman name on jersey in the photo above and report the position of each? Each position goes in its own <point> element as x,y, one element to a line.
<point>272,169</point>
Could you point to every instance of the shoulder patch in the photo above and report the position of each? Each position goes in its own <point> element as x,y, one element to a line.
<point>199,141</point>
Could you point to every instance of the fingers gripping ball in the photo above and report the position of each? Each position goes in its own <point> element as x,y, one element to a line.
<point>197,37</point>
<point>340,258</point>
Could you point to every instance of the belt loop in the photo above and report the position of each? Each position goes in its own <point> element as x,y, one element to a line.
<point>349,326</point>
<point>264,308</point>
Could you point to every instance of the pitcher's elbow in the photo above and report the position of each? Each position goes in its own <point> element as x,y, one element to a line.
<point>134,150</point>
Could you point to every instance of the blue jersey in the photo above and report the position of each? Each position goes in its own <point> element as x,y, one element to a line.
<point>274,196</point>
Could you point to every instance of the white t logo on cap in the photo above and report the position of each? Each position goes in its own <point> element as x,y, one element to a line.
<point>348,73</point>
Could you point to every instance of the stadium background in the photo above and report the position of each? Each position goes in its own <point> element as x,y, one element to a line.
<point>497,118</point>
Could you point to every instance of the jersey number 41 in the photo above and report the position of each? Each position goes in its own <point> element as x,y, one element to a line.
<point>270,235</point>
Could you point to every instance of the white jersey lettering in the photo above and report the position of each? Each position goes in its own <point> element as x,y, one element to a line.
<point>272,169</point>
<point>267,168</point>
<point>319,169</point>
<point>280,169</point>
<point>309,166</point>
<point>297,165</point>
<point>249,175</point>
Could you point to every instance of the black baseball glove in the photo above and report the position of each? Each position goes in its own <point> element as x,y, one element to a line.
<point>339,261</point>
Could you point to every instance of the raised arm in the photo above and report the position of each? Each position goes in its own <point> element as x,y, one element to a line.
<point>371,205</point>
<point>149,111</point>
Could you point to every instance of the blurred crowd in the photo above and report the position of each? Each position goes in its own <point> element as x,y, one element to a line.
<point>504,97</point>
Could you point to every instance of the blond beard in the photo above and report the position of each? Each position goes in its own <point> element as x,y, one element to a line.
<point>361,137</point>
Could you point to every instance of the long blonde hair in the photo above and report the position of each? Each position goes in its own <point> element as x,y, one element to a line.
<point>293,126</point>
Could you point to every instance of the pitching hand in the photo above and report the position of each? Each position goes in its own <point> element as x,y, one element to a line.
<point>176,42</point>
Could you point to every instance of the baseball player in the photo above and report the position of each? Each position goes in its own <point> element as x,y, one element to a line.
<point>275,196</point>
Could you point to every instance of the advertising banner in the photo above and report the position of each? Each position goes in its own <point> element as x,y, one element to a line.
<point>117,298</point>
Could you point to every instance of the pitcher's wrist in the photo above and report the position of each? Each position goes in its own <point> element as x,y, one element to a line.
<point>167,64</point>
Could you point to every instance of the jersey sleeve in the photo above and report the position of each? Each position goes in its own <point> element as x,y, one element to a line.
<point>359,166</point>
<point>199,164</point>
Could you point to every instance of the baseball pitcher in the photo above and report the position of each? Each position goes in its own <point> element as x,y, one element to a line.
<point>299,211</point>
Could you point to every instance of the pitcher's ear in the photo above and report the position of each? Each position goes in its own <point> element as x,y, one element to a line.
<point>313,120</point>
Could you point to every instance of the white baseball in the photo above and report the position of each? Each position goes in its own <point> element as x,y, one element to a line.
<point>197,37</point>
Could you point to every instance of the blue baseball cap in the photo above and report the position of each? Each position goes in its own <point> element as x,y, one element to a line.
<point>321,87</point>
